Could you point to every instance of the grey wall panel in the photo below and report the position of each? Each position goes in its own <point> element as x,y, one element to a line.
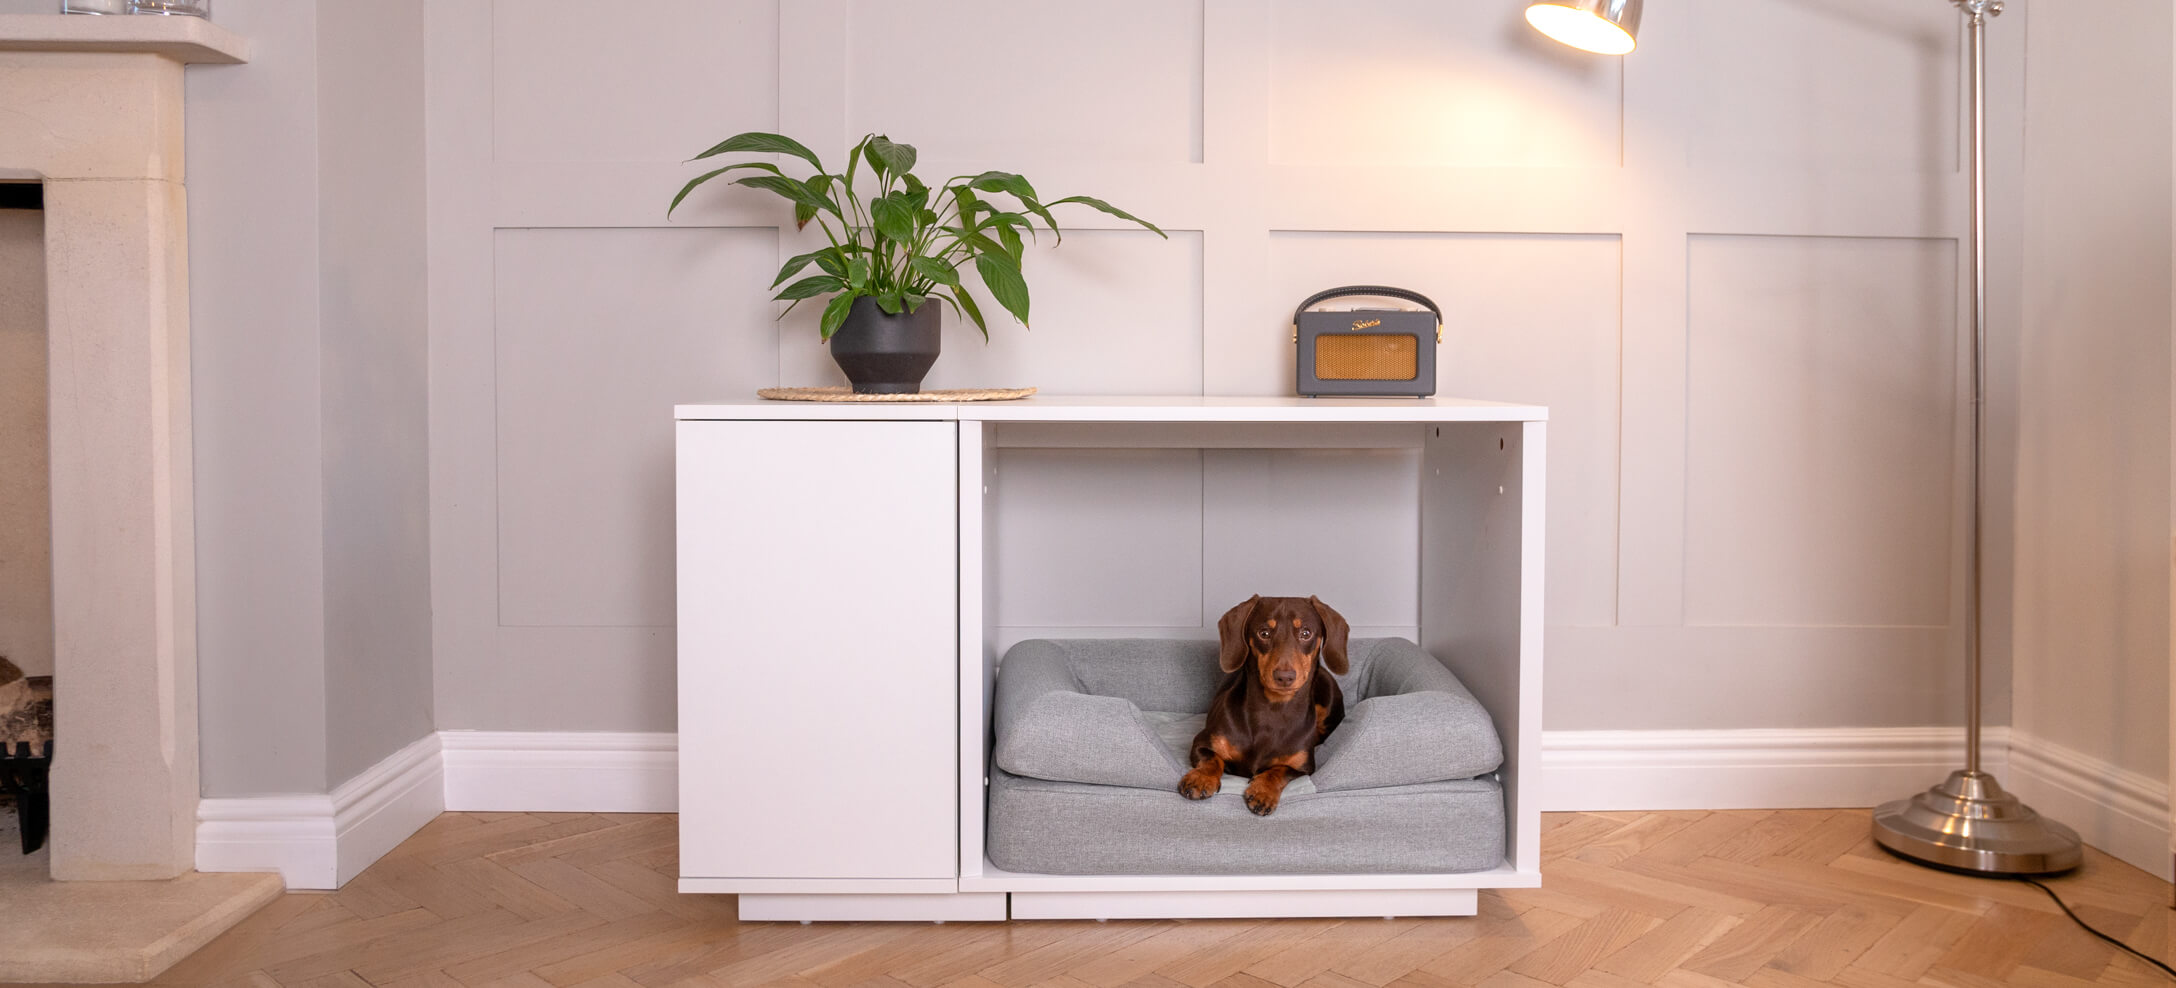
<point>598,331</point>
<point>375,370</point>
<point>1112,312</point>
<point>1845,84</point>
<point>1376,84</point>
<point>1118,80</point>
<point>658,80</point>
<point>2093,478</point>
<point>581,679</point>
<point>1822,478</point>
<point>1342,525</point>
<point>252,146</point>
<point>1098,538</point>
<point>1548,198</point>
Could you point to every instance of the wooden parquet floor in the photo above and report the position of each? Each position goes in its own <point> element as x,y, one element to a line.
<point>1685,900</point>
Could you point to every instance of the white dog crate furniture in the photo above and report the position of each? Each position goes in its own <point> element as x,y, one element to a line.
<point>839,640</point>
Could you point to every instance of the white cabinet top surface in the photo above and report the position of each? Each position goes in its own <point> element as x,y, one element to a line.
<point>1131,408</point>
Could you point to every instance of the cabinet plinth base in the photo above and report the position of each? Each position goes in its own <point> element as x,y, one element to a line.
<point>1244,904</point>
<point>970,907</point>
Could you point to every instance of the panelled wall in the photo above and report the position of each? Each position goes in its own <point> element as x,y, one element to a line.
<point>309,349</point>
<point>1730,267</point>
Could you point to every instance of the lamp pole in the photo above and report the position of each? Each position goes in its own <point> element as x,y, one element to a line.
<point>1968,822</point>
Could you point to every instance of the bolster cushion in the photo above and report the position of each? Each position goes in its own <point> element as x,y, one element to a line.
<point>1049,727</point>
<point>1414,723</point>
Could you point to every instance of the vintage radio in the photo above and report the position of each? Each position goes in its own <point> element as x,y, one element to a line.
<point>1367,352</point>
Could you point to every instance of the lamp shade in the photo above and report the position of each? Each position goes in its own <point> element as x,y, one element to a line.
<point>1605,27</point>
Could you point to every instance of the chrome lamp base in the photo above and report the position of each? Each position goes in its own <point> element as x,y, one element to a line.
<point>1968,823</point>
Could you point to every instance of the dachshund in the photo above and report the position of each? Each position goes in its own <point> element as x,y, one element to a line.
<point>1273,707</point>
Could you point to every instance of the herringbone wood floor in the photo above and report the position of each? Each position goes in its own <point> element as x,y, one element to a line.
<point>1689,900</point>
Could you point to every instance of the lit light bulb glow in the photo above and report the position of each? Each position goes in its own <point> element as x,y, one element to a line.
<point>1579,29</point>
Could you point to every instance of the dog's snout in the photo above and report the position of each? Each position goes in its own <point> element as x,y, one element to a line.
<point>1285,677</point>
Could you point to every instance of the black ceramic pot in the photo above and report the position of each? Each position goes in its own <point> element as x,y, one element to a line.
<point>885,354</point>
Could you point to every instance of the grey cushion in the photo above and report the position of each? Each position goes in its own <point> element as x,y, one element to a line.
<point>1066,828</point>
<point>1123,712</point>
<point>1078,737</point>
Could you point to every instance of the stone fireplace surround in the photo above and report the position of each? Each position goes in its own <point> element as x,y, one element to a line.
<point>91,107</point>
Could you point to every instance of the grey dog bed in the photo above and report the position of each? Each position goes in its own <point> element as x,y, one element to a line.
<point>1092,736</point>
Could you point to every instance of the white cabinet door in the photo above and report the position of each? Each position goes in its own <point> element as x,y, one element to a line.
<point>818,647</point>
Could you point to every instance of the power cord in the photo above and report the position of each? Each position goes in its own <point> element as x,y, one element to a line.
<point>2088,927</point>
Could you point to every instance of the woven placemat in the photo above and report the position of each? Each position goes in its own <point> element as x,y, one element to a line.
<point>847,394</point>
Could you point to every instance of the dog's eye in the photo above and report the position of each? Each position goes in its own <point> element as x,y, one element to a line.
<point>1264,633</point>
<point>1306,634</point>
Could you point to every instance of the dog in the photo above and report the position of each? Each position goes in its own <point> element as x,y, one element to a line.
<point>1274,705</point>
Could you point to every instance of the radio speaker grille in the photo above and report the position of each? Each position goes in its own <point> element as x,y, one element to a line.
<point>1367,357</point>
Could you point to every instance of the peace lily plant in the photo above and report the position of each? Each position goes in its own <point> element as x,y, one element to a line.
<point>905,243</point>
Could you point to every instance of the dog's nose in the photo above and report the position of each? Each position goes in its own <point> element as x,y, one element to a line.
<point>1285,677</point>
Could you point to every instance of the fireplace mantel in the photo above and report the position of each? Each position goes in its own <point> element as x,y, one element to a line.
<point>183,39</point>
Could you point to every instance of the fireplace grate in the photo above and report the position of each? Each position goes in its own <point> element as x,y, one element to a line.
<point>22,775</point>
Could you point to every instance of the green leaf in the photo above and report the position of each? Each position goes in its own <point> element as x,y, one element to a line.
<point>830,261</point>
<point>788,188</point>
<point>835,313</point>
<point>966,300</point>
<point>857,274</point>
<point>1003,182</point>
<point>760,143</point>
<point>975,241</point>
<point>917,194</point>
<point>1099,204</point>
<point>893,217</point>
<point>889,302</point>
<point>912,300</point>
<point>969,203</point>
<point>795,263</point>
<point>804,212</point>
<point>1011,239</point>
<point>897,159</point>
<point>1001,276</point>
<point>707,176</point>
<point>1049,220</point>
<point>810,287</point>
<point>853,158</point>
<point>935,269</point>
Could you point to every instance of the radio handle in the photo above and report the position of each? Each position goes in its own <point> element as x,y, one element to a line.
<point>1384,291</point>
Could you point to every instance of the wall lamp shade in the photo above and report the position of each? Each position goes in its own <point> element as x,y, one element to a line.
<point>1605,27</point>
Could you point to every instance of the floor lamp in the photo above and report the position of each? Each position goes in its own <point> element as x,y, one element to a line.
<point>1968,822</point>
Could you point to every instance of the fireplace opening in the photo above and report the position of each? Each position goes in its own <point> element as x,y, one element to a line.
<point>26,533</point>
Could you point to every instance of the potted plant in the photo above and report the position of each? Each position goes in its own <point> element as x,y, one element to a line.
<point>897,249</point>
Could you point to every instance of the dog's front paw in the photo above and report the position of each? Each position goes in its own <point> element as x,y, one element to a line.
<point>1262,798</point>
<point>1198,784</point>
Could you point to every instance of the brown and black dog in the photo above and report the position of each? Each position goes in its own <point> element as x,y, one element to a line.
<point>1273,708</point>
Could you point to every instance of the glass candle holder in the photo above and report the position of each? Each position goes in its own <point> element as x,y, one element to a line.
<point>192,8</point>
<point>94,6</point>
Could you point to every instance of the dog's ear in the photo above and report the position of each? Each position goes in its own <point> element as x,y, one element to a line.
<point>1335,634</point>
<point>1231,634</point>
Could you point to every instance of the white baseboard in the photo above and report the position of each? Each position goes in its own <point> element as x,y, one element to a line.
<point>319,842</point>
<point>322,841</point>
<point>1751,769</point>
<point>2115,809</point>
<point>562,771</point>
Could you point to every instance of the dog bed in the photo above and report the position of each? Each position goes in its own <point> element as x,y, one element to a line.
<point>1092,736</point>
